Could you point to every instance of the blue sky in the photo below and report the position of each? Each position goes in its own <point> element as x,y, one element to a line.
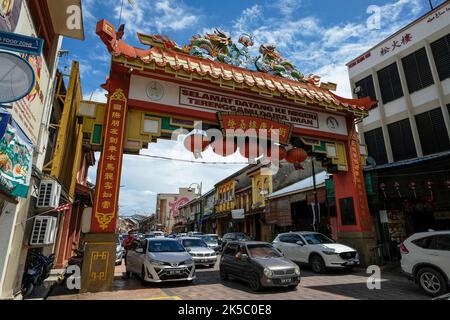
<point>319,36</point>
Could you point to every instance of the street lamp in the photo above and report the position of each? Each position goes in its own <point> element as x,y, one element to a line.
<point>316,205</point>
<point>198,186</point>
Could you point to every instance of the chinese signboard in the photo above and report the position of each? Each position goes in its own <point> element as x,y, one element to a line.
<point>261,126</point>
<point>396,43</point>
<point>108,180</point>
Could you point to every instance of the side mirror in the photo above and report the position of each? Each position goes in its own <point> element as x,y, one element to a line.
<point>300,243</point>
<point>140,250</point>
<point>188,249</point>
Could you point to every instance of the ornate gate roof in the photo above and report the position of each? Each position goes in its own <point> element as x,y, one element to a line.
<point>166,55</point>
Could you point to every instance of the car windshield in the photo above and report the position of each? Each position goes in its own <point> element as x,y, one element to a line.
<point>262,251</point>
<point>194,243</point>
<point>165,246</point>
<point>317,238</point>
<point>210,238</point>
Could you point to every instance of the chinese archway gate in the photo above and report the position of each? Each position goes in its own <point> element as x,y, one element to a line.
<point>152,92</point>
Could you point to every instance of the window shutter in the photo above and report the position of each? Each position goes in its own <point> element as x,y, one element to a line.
<point>376,146</point>
<point>432,132</point>
<point>441,53</point>
<point>367,88</point>
<point>390,85</point>
<point>402,141</point>
<point>417,70</point>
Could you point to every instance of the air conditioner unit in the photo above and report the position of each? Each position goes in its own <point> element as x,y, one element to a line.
<point>44,231</point>
<point>49,194</point>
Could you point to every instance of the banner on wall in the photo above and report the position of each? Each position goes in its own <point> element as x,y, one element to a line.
<point>15,163</point>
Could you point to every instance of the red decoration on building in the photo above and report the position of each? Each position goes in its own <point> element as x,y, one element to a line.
<point>412,186</point>
<point>296,155</point>
<point>447,183</point>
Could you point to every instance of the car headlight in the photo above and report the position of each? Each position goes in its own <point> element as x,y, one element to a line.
<point>187,262</point>
<point>268,273</point>
<point>329,253</point>
<point>297,271</point>
<point>156,262</point>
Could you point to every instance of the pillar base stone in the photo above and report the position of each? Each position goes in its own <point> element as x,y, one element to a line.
<point>99,263</point>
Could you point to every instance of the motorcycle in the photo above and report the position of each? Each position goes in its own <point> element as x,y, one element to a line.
<point>38,270</point>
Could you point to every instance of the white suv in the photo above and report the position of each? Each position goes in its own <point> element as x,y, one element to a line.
<point>316,250</point>
<point>426,260</point>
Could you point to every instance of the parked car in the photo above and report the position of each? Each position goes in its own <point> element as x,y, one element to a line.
<point>426,260</point>
<point>317,250</point>
<point>259,264</point>
<point>160,260</point>
<point>155,234</point>
<point>212,240</point>
<point>233,236</point>
<point>199,250</point>
<point>119,252</point>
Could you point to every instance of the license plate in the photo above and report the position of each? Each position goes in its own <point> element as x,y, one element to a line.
<point>174,272</point>
<point>286,280</point>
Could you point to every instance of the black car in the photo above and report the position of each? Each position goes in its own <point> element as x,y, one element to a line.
<point>259,264</point>
<point>233,236</point>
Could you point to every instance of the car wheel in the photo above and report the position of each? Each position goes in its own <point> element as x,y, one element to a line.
<point>317,264</point>
<point>432,282</point>
<point>255,283</point>
<point>223,274</point>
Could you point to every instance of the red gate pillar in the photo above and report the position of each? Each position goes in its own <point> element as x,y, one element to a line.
<point>100,250</point>
<point>355,226</point>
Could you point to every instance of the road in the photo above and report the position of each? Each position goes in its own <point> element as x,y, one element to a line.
<point>338,285</point>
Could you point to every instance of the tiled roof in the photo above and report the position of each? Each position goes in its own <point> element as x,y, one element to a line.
<point>213,70</point>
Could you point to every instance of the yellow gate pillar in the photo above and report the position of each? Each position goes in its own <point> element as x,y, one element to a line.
<point>100,250</point>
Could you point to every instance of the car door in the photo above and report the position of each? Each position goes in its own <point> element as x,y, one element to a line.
<point>228,260</point>
<point>287,246</point>
<point>243,267</point>
<point>439,252</point>
<point>298,252</point>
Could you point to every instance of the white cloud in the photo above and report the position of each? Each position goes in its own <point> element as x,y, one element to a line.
<point>98,95</point>
<point>316,47</point>
<point>165,15</point>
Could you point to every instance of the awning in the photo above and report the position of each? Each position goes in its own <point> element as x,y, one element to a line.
<point>301,186</point>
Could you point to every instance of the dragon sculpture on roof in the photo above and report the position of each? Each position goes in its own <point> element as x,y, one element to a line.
<point>218,46</point>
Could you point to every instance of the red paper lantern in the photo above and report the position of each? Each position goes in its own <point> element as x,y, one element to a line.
<point>250,150</point>
<point>225,147</point>
<point>196,143</point>
<point>270,152</point>
<point>296,155</point>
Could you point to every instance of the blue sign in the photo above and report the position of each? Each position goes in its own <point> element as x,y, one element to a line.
<point>20,43</point>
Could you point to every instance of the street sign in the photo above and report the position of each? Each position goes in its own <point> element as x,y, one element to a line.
<point>17,78</point>
<point>20,43</point>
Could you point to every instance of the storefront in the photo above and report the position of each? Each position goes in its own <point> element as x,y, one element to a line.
<point>412,196</point>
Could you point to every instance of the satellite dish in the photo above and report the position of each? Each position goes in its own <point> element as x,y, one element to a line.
<point>17,78</point>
